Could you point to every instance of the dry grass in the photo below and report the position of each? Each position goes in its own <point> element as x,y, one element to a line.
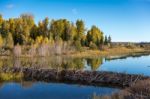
<point>69,52</point>
<point>141,90</point>
<point>17,51</point>
<point>106,52</point>
<point>10,76</point>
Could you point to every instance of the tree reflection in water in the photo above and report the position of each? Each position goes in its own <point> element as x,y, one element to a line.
<point>95,63</point>
<point>56,62</point>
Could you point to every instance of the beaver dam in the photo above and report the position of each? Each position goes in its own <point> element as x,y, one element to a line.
<point>96,78</point>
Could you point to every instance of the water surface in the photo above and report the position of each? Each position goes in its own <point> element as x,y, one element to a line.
<point>40,90</point>
<point>131,65</point>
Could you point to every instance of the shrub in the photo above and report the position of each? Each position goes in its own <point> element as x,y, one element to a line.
<point>9,43</point>
<point>9,76</point>
<point>92,45</point>
<point>32,50</point>
<point>78,46</point>
<point>1,41</point>
<point>43,50</point>
<point>130,45</point>
<point>58,47</point>
<point>17,50</point>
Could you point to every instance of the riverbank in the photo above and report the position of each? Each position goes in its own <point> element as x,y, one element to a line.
<point>116,51</point>
<point>84,53</point>
<point>140,90</point>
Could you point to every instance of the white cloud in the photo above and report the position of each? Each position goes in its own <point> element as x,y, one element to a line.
<point>9,6</point>
<point>74,11</point>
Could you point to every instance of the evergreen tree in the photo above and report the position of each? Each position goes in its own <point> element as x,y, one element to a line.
<point>106,40</point>
<point>109,39</point>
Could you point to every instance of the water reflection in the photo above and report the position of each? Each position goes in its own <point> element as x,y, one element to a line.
<point>39,90</point>
<point>52,62</point>
<point>95,63</point>
<point>133,65</point>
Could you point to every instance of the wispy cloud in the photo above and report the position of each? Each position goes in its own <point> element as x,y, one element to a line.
<point>74,11</point>
<point>10,6</point>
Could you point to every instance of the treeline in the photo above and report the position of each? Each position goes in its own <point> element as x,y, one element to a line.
<point>24,31</point>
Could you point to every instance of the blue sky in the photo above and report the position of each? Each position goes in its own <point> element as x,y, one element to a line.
<point>124,20</point>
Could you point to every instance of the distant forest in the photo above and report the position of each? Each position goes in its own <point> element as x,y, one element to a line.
<point>24,31</point>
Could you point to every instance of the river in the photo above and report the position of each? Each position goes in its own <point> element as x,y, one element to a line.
<point>43,90</point>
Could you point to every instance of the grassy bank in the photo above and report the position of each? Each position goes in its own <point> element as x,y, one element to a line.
<point>108,52</point>
<point>141,90</point>
<point>9,76</point>
<point>25,51</point>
